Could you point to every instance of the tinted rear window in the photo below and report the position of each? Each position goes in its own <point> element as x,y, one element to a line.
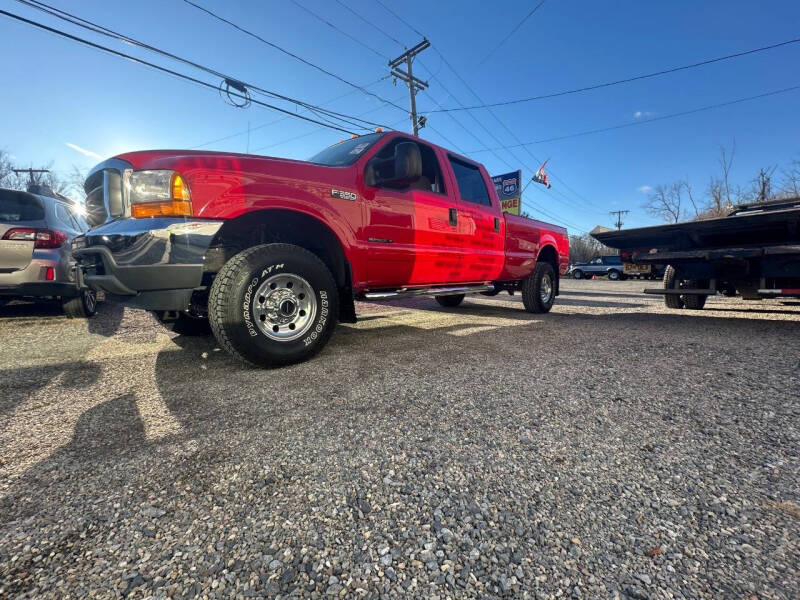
<point>19,207</point>
<point>471,185</point>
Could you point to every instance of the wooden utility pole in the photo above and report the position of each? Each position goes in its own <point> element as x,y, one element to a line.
<point>30,173</point>
<point>414,84</point>
<point>619,214</point>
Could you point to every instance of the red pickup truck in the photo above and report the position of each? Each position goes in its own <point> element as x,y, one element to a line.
<point>273,252</point>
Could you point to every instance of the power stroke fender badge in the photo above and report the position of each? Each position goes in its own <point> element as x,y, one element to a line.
<point>344,195</point>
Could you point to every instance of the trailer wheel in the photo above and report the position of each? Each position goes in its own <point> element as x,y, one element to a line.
<point>274,304</point>
<point>695,301</point>
<point>671,283</point>
<point>450,301</point>
<point>539,289</point>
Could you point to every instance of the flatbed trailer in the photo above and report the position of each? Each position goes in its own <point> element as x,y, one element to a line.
<point>753,252</point>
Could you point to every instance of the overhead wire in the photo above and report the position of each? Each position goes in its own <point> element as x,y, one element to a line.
<point>160,68</point>
<point>291,54</point>
<point>512,32</point>
<point>645,121</point>
<point>227,79</point>
<point>624,80</point>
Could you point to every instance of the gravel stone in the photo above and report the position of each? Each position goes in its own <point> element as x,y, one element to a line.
<point>609,449</point>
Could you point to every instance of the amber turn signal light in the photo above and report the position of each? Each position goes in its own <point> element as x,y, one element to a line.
<point>166,208</point>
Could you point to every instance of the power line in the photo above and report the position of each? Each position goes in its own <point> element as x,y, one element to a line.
<point>621,81</point>
<point>228,81</point>
<point>644,121</point>
<point>164,69</point>
<point>280,120</point>
<point>512,32</point>
<point>401,19</point>
<point>291,54</point>
<point>335,28</point>
<point>370,23</point>
<point>446,62</point>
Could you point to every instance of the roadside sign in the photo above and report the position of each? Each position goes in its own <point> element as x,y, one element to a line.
<point>509,191</point>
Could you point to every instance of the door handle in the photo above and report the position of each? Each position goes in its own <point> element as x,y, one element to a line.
<point>453,217</point>
<point>496,225</point>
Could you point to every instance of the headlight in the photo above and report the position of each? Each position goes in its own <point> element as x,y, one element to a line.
<point>158,194</point>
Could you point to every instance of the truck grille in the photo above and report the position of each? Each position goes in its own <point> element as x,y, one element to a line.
<point>104,193</point>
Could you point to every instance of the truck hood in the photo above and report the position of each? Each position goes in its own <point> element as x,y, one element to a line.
<point>186,159</point>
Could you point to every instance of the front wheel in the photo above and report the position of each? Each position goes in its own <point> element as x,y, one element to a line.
<point>274,304</point>
<point>82,306</point>
<point>539,290</point>
<point>450,301</point>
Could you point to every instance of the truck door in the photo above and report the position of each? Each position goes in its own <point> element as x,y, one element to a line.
<point>481,222</point>
<point>412,234</point>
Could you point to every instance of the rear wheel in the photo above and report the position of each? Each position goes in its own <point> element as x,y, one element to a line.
<point>577,274</point>
<point>614,275</point>
<point>539,290</point>
<point>450,301</point>
<point>671,283</point>
<point>695,301</point>
<point>274,304</point>
<point>82,306</point>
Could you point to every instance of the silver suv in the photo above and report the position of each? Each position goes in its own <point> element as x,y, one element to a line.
<point>601,265</point>
<point>36,234</point>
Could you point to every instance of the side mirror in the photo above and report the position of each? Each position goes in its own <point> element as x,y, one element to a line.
<point>401,171</point>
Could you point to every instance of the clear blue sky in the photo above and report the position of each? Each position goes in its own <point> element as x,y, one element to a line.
<point>57,92</point>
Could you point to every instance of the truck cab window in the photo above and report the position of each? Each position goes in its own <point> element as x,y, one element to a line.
<point>471,185</point>
<point>431,180</point>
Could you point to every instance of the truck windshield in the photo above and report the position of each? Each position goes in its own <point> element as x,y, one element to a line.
<point>346,152</point>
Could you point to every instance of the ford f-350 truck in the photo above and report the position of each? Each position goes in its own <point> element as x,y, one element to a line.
<point>273,252</point>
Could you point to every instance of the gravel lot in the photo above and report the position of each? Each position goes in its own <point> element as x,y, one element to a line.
<point>611,448</point>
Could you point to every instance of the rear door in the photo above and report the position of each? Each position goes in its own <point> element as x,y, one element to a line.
<point>481,225</point>
<point>20,213</point>
<point>412,234</point>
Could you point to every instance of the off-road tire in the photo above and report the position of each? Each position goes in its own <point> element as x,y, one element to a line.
<point>533,287</point>
<point>670,282</point>
<point>614,275</point>
<point>695,301</point>
<point>231,309</point>
<point>185,324</point>
<point>577,274</point>
<point>82,306</point>
<point>450,301</point>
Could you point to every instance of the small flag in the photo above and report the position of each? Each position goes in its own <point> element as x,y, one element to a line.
<point>541,176</point>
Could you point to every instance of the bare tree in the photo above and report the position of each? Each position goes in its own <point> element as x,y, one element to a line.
<point>583,248</point>
<point>665,202</point>
<point>790,183</point>
<point>6,166</point>
<point>726,162</point>
<point>688,189</point>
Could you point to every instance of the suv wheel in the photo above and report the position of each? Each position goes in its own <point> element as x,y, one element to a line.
<point>450,301</point>
<point>274,304</point>
<point>614,275</point>
<point>82,306</point>
<point>577,274</point>
<point>539,290</point>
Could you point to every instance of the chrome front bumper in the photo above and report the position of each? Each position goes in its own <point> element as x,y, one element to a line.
<point>155,264</point>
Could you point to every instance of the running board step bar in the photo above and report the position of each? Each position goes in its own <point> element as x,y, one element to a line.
<point>444,291</point>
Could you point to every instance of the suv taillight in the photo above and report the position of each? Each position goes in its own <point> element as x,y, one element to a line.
<point>41,238</point>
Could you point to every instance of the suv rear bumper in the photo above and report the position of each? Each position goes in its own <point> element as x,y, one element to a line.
<point>154,264</point>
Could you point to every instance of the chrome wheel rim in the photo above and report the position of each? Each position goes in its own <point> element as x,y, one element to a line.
<point>546,289</point>
<point>91,300</point>
<point>284,307</point>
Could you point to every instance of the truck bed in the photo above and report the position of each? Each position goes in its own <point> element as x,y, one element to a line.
<point>772,223</point>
